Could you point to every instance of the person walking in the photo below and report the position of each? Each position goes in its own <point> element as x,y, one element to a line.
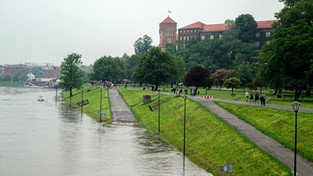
<point>256,98</point>
<point>263,99</point>
<point>247,96</point>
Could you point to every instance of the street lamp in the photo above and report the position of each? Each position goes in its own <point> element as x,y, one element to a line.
<point>159,118</point>
<point>296,106</point>
<point>184,146</point>
<point>100,112</point>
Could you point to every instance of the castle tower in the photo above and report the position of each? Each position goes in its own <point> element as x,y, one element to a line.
<point>167,31</point>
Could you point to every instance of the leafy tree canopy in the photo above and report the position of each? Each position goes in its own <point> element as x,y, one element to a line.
<point>156,67</point>
<point>247,28</point>
<point>142,45</point>
<point>71,75</point>
<point>198,76</point>
<point>108,68</point>
<point>291,47</point>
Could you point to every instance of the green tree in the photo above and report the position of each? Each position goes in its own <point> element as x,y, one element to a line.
<point>291,47</point>
<point>156,67</point>
<point>246,74</point>
<point>198,77</point>
<point>71,75</point>
<point>142,45</point>
<point>108,68</point>
<point>220,75</point>
<point>246,26</point>
<point>233,83</point>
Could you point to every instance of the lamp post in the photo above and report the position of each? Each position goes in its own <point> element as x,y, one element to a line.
<point>82,99</point>
<point>296,106</point>
<point>159,118</point>
<point>100,104</point>
<point>184,145</point>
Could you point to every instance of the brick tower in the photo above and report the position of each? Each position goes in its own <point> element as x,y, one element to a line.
<point>168,28</point>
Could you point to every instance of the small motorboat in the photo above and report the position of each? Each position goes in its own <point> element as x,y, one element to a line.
<point>40,98</point>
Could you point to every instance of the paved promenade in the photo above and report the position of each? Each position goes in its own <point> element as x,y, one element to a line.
<point>272,147</point>
<point>121,113</point>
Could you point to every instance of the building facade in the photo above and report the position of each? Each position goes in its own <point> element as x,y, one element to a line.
<point>168,32</point>
<point>202,31</point>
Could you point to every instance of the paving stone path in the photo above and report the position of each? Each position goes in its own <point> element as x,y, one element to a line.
<point>272,147</point>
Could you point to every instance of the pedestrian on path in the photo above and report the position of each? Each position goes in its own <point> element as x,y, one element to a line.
<point>263,99</point>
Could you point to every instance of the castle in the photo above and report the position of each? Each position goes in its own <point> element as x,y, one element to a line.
<point>198,30</point>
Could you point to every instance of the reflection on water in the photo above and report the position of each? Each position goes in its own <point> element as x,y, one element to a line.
<point>49,138</point>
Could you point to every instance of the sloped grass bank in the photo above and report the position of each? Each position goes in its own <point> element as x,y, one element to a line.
<point>93,95</point>
<point>279,125</point>
<point>210,142</point>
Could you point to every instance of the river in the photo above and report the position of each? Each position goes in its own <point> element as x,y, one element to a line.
<point>49,138</point>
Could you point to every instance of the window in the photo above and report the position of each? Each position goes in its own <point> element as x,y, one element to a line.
<point>187,37</point>
<point>257,43</point>
<point>180,38</point>
<point>184,37</point>
<point>220,36</point>
<point>268,34</point>
<point>202,37</point>
<point>169,40</point>
<point>211,37</point>
<point>171,33</point>
<point>257,34</point>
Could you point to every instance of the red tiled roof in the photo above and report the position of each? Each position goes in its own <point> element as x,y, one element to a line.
<point>215,27</point>
<point>168,20</point>
<point>265,24</point>
<point>223,27</point>
<point>194,25</point>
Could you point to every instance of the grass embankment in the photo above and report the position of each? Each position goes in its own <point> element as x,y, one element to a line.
<point>210,142</point>
<point>11,84</point>
<point>93,94</point>
<point>279,125</point>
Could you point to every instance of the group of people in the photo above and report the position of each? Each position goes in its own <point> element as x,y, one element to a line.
<point>256,98</point>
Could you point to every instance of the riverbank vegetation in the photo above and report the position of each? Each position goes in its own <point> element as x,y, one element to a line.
<point>92,94</point>
<point>210,142</point>
<point>11,84</point>
<point>279,125</point>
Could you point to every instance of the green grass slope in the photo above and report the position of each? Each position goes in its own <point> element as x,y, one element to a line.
<point>210,142</point>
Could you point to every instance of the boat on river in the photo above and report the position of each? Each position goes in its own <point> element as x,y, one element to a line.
<point>40,98</point>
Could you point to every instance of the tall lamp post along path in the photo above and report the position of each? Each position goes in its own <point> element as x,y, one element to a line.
<point>296,106</point>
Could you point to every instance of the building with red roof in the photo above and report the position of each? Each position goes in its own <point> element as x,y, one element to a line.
<point>202,31</point>
<point>168,32</point>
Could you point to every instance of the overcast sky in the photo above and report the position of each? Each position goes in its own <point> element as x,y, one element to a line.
<point>46,31</point>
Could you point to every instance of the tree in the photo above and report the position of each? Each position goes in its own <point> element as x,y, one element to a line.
<point>142,45</point>
<point>108,68</point>
<point>291,47</point>
<point>246,26</point>
<point>71,76</point>
<point>232,83</point>
<point>220,75</point>
<point>246,74</point>
<point>198,77</point>
<point>156,67</point>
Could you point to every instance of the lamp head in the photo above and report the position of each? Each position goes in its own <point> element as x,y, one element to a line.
<point>296,106</point>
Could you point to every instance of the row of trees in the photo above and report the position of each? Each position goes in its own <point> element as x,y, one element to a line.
<point>284,62</point>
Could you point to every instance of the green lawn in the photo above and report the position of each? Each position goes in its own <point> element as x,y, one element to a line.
<point>279,125</point>
<point>11,84</point>
<point>210,142</point>
<point>93,94</point>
